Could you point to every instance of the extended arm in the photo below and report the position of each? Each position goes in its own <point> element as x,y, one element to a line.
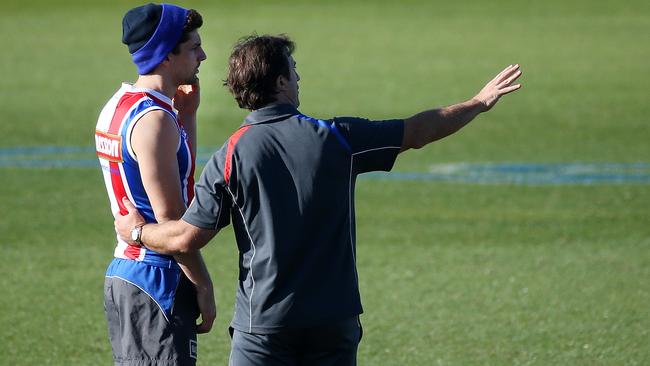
<point>428,126</point>
<point>170,237</point>
<point>154,141</point>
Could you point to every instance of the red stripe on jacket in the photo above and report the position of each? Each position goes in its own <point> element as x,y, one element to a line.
<point>231,148</point>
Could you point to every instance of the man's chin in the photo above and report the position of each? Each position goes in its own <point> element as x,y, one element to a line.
<point>191,81</point>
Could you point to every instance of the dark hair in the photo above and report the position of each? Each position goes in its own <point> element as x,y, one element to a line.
<point>193,22</point>
<point>254,66</point>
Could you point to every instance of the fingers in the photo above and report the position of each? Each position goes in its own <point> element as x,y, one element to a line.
<point>184,89</point>
<point>189,88</point>
<point>508,73</point>
<point>128,205</point>
<point>509,89</point>
<point>206,324</point>
<point>505,79</point>
<point>207,319</point>
<point>207,307</point>
<point>510,79</point>
<point>503,73</point>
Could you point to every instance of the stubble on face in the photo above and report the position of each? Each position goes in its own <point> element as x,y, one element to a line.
<point>191,56</point>
<point>293,80</point>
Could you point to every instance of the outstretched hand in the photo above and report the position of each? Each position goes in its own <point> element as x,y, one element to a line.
<point>124,224</point>
<point>187,98</point>
<point>499,86</point>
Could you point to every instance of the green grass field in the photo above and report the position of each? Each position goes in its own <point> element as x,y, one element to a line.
<point>451,273</point>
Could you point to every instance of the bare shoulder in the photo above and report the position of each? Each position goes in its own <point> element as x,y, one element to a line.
<point>157,119</point>
<point>156,129</point>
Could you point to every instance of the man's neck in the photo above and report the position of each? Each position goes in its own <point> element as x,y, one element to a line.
<point>158,83</point>
<point>280,98</point>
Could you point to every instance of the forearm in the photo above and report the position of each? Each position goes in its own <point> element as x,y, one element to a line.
<point>166,238</point>
<point>435,124</point>
<point>171,237</point>
<point>188,120</point>
<point>428,126</point>
<point>195,269</point>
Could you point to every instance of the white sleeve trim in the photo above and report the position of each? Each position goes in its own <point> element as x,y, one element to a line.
<point>137,118</point>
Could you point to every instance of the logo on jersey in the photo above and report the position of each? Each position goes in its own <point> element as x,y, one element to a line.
<point>108,146</point>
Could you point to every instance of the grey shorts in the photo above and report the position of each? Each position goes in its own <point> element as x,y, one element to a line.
<point>139,331</point>
<point>331,344</point>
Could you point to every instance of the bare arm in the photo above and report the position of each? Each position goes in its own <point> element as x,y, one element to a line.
<point>170,237</point>
<point>154,141</point>
<point>193,266</point>
<point>155,146</point>
<point>428,126</point>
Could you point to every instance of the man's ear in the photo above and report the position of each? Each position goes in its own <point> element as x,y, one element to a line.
<point>281,83</point>
<point>165,62</point>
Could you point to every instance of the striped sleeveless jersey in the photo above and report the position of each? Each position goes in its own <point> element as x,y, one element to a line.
<point>120,166</point>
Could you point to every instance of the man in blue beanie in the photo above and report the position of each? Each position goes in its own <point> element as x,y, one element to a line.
<point>146,143</point>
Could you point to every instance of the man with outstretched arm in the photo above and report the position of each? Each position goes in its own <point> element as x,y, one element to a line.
<point>286,181</point>
<point>146,144</point>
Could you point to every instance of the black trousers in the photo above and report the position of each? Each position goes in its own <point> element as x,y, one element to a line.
<point>330,344</point>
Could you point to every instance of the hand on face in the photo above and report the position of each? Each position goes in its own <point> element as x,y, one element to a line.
<point>188,98</point>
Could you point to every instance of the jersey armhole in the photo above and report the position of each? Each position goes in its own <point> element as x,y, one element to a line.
<point>137,118</point>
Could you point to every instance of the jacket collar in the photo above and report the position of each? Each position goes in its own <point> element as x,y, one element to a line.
<point>270,113</point>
